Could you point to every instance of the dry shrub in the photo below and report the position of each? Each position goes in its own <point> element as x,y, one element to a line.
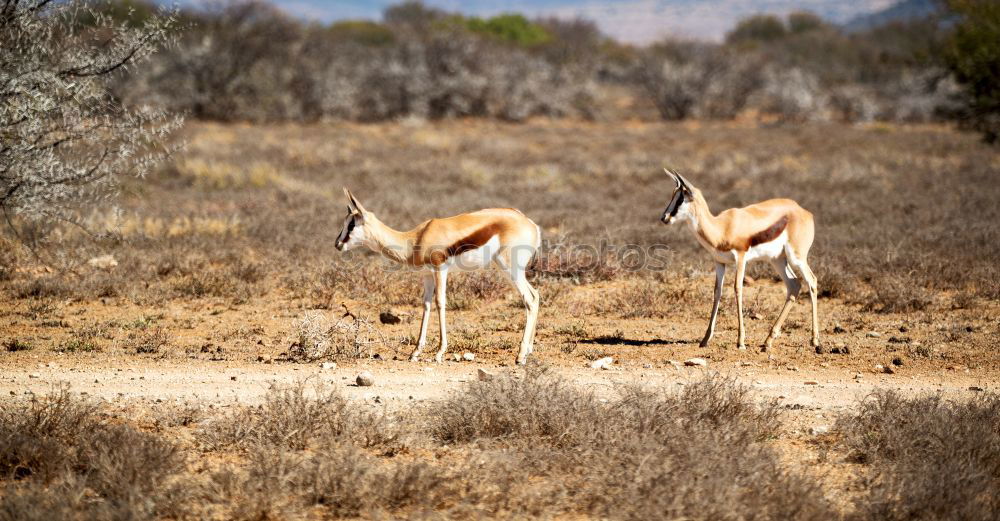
<point>350,337</point>
<point>290,418</point>
<point>42,287</point>
<point>146,340</point>
<point>346,482</point>
<point>643,298</point>
<point>930,458</point>
<point>898,295</point>
<point>696,454</point>
<point>580,265</point>
<point>61,451</point>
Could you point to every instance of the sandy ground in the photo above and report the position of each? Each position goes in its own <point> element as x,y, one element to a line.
<point>219,353</point>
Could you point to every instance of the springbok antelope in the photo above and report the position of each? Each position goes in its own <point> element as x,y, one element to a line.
<point>499,236</point>
<point>778,230</point>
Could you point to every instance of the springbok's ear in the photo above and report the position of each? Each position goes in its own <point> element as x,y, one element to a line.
<point>673,176</point>
<point>684,183</point>
<point>353,202</point>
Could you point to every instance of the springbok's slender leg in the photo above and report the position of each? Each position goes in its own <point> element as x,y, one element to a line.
<point>792,287</point>
<point>741,266</point>
<point>441,282</point>
<point>530,296</point>
<point>813,293</point>
<point>429,284</point>
<point>720,274</point>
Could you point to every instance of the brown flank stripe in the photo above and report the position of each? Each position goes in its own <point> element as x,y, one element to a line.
<point>474,240</point>
<point>769,234</point>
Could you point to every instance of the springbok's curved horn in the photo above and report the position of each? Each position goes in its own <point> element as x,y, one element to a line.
<point>672,176</point>
<point>684,182</point>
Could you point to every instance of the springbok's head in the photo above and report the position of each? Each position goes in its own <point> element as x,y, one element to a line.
<point>353,234</point>
<point>679,207</point>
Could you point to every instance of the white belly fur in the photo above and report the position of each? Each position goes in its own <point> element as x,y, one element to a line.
<point>768,250</point>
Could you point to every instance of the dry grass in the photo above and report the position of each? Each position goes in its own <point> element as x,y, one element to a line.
<point>696,454</point>
<point>60,459</point>
<point>531,447</point>
<point>298,418</point>
<point>930,458</point>
<point>928,192</point>
<point>527,445</point>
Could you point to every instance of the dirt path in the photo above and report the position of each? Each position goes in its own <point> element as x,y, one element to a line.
<point>818,394</point>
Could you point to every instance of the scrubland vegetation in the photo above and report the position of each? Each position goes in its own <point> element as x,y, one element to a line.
<point>429,113</point>
<point>906,216</point>
<point>530,446</point>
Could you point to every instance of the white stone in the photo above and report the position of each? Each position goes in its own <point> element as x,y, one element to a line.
<point>469,357</point>
<point>365,379</point>
<point>602,363</point>
<point>104,262</point>
<point>329,365</point>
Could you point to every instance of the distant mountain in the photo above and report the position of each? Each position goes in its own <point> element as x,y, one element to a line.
<point>901,11</point>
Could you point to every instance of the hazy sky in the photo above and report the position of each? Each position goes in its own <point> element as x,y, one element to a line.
<point>637,21</point>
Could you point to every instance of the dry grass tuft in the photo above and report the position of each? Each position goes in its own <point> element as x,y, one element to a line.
<point>59,457</point>
<point>696,454</point>
<point>299,417</point>
<point>930,458</point>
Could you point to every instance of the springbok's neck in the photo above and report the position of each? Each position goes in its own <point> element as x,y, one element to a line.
<point>704,224</point>
<point>393,244</point>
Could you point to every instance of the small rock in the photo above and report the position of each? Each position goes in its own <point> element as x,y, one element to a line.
<point>975,388</point>
<point>468,357</point>
<point>457,357</point>
<point>857,376</point>
<point>647,366</point>
<point>837,329</point>
<point>746,364</point>
<point>328,365</point>
<point>104,262</point>
<point>233,378</point>
<point>873,334</point>
<point>897,361</point>
<point>820,349</point>
<point>602,363</point>
<point>819,430</point>
<point>386,317</point>
<point>903,329</point>
<point>889,369</point>
<point>484,375</point>
<point>36,375</point>
<point>696,362</point>
<point>755,316</point>
<point>365,379</point>
<point>879,368</point>
<point>811,382</point>
<point>792,368</point>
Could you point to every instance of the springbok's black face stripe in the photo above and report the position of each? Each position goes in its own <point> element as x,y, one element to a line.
<point>350,228</point>
<point>675,203</point>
